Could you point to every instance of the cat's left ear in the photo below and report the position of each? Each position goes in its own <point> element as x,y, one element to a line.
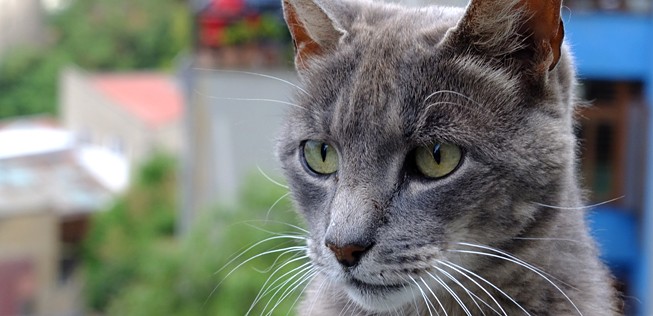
<point>529,30</point>
<point>314,27</point>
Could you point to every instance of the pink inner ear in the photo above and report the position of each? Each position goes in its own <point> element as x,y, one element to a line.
<point>546,26</point>
<point>305,47</point>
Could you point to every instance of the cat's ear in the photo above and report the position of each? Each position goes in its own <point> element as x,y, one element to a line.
<point>313,27</point>
<point>530,30</point>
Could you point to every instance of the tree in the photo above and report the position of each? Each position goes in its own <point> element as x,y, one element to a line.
<point>96,35</point>
<point>135,266</point>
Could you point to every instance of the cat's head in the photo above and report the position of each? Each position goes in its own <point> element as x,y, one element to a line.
<point>418,129</point>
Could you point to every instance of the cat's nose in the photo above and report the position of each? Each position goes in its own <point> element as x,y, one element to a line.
<point>348,255</point>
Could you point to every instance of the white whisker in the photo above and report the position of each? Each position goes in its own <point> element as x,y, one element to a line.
<point>250,99</point>
<point>270,178</point>
<point>451,292</point>
<point>578,207</point>
<point>326,281</point>
<point>301,293</point>
<point>290,289</point>
<point>436,298</point>
<point>266,289</point>
<point>469,293</point>
<point>346,308</point>
<point>284,250</point>
<point>296,255</point>
<point>549,239</point>
<point>303,272</point>
<point>478,285</point>
<point>451,92</point>
<point>267,215</point>
<point>254,245</point>
<point>525,266</point>
<point>253,74</point>
<point>493,286</point>
<point>267,221</point>
<point>519,260</point>
<point>426,300</point>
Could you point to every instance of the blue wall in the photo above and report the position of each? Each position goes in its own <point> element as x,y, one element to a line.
<point>620,47</point>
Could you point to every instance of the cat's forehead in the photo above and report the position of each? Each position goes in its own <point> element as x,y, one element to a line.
<point>389,28</point>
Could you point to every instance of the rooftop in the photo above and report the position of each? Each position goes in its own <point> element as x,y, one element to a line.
<point>43,168</point>
<point>154,98</point>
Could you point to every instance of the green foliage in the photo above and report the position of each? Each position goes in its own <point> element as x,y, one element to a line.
<point>123,34</point>
<point>262,28</point>
<point>28,82</point>
<point>160,275</point>
<point>121,238</point>
<point>96,35</point>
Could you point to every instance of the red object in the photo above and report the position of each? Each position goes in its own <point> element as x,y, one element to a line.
<point>228,7</point>
<point>215,18</point>
<point>153,98</point>
<point>18,286</point>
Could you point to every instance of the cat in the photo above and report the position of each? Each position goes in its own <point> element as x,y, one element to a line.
<point>432,156</point>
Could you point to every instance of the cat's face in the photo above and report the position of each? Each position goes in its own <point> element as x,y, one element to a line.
<point>413,136</point>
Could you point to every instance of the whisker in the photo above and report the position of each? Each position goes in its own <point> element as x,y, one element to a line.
<point>254,74</point>
<point>426,300</point>
<point>492,285</point>
<point>302,230</point>
<point>436,298</point>
<point>549,239</point>
<point>284,250</point>
<point>297,254</point>
<point>579,207</point>
<point>267,215</point>
<point>451,92</point>
<point>302,293</point>
<point>250,99</point>
<point>526,266</point>
<point>254,245</point>
<point>326,281</point>
<point>266,289</point>
<point>267,221</point>
<point>442,103</point>
<point>346,308</point>
<point>306,279</point>
<point>450,290</point>
<point>411,292</point>
<point>299,276</point>
<point>479,286</point>
<point>521,261</point>
<point>470,294</point>
<point>270,178</point>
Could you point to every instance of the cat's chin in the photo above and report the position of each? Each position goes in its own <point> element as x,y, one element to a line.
<point>379,298</point>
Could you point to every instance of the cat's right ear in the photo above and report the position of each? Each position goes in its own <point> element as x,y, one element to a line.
<point>526,31</point>
<point>313,27</point>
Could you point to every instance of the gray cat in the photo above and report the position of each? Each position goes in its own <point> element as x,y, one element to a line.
<point>432,155</point>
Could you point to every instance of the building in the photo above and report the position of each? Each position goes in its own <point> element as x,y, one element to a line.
<point>21,23</point>
<point>49,186</point>
<point>612,44</point>
<point>132,114</point>
<point>230,133</point>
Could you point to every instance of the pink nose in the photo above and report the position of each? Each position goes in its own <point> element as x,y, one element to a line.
<point>348,255</point>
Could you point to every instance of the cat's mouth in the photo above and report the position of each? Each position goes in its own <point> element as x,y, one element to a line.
<point>378,297</point>
<point>374,288</point>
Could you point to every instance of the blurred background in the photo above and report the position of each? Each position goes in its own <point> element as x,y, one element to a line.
<point>136,141</point>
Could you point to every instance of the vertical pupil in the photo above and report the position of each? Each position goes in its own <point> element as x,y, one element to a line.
<point>437,156</point>
<point>323,151</point>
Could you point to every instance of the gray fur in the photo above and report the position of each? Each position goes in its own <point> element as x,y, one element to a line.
<point>367,97</point>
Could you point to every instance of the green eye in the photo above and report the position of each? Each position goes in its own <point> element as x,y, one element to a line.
<point>320,157</point>
<point>437,160</point>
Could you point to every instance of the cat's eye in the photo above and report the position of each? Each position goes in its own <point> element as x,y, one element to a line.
<point>320,157</point>
<point>437,160</point>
